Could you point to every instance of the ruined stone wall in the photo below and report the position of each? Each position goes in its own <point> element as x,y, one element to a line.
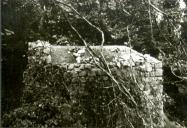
<point>92,89</point>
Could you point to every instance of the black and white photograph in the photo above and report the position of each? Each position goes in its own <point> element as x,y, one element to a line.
<point>93,64</point>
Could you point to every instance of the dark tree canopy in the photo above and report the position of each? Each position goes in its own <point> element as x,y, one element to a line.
<point>155,27</point>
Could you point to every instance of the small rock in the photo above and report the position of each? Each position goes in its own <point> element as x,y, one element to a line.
<point>82,66</point>
<point>146,67</point>
<point>64,66</point>
<point>88,66</point>
<point>74,74</point>
<point>77,69</point>
<point>76,54</point>
<point>92,73</point>
<point>76,65</point>
<point>71,66</point>
<point>159,72</point>
<point>111,65</point>
<point>78,59</point>
<point>81,51</point>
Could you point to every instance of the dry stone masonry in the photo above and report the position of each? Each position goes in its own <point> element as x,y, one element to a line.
<point>83,76</point>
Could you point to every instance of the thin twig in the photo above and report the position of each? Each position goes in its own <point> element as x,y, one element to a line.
<point>157,9</point>
<point>150,20</point>
<point>129,38</point>
<point>94,56</point>
<point>97,28</point>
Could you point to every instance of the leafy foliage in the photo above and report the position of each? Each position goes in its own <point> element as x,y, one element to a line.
<point>124,22</point>
<point>51,99</point>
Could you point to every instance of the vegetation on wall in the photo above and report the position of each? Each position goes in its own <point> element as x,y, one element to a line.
<point>134,23</point>
<point>52,97</point>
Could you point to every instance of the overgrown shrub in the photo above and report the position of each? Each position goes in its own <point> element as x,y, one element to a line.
<point>52,98</point>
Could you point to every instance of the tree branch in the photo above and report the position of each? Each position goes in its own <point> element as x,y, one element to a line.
<point>102,60</point>
<point>157,9</point>
<point>87,21</point>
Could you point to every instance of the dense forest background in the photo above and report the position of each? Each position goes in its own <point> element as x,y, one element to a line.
<point>155,27</point>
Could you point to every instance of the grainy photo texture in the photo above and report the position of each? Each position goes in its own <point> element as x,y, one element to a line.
<point>94,64</point>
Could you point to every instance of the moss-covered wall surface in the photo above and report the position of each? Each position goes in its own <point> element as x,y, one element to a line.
<point>65,88</point>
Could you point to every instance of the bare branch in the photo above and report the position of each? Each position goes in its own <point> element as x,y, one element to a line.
<point>129,38</point>
<point>120,86</point>
<point>150,19</point>
<point>97,28</point>
<point>156,8</point>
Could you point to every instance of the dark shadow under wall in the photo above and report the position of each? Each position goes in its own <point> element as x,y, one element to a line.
<point>177,109</point>
<point>14,61</point>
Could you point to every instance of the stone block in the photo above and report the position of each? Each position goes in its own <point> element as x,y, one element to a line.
<point>111,65</point>
<point>76,65</point>
<point>156,73</point>
<point>77,69</point>
<point>65,66</point>
<point>113,71</point>
<point>82,66</point>
<point>71,66</point>
<point>88,66</point>
<point>74,74</point>
<point>91,74</point>
<point>158,65</point>
<point>82,73</point>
